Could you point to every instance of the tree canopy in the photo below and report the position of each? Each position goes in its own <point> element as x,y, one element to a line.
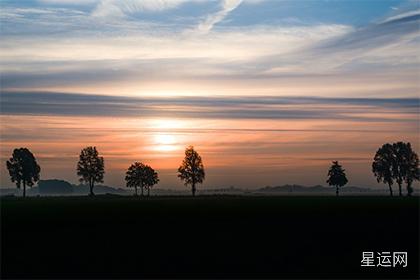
<point>382,166</point>
<point>336,176</point>
<point>407,167</point>
<point>90,167</point>
<point>141,176</point>
<point>191,170</point>
<point>23,168</point>
<point>398,163</point>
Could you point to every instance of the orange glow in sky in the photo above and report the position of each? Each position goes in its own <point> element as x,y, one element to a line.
<point>266,94</point>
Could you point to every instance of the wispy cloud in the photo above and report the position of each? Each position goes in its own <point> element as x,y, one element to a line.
<point>113,8</point>
<point>270,84</point>
<point>68,2</point>
<point>410,15</point>
<point>385,46</point>
<point>49,47</point>
<point>227,6</point>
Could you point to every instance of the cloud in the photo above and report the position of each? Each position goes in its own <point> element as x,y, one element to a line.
<point>30,62</point>
<point>227,7</point>
<point>230,44</point>
<point>118,8</point>
<point>51,48</point>
<point>68,2</point>
<point>393,29</point>
<point>384,46</point>
<point>141,48</point>
<point>404,15</point>
<point>227,107</point>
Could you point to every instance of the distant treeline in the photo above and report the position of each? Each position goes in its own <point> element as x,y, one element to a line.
<point>392,163</point>
<point>62,187</point>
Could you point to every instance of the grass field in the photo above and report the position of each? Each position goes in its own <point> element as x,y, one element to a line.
<point>213,236</point>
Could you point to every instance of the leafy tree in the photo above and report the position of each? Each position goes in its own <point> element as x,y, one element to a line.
<point>134,177</point>
<point>23,168</point>
<point>399,167</point>
<point>409,165</point>
<point>191,170</point>
<point>396,162</point>
<point>141,176</point>
<point>336,176</point>
<point>90,167</point>
<point>151,178</point>
<point>413,174</point>
<point>383,164</point>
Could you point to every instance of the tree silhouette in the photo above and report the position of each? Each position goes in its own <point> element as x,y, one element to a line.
<point>396,162</point>
<point>134,177</point>
<point>191,170</point>
<point>90,167</point>
<point>141,175</point>
<point>383,164</point>
<point>151,178</point>
<point>336,176</point>
<point>23,168</point>
<point>399,167</point>
<point>409,165</point>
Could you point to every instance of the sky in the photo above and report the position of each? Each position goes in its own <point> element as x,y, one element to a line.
<point>269,92</point>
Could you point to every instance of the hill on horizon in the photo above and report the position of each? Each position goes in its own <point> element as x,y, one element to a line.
<point>61,187</point>
<point>316,188</point>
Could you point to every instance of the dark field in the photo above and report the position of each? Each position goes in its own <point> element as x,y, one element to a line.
<point>220,236</point>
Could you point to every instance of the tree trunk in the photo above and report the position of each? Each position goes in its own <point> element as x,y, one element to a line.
<point>148,191</point>
<point>193,189</point>
<point>390,189</point>
<point>24,189</point>
<point>91,189</point>
<point>336,190</point>
<point>399,188</point>
<point>135,187</point>
<point>141,190</point>
<point>409,189</point>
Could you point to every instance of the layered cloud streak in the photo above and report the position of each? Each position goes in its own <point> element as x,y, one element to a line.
<point>58,49</point>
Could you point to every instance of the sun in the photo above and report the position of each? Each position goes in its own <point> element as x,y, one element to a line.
<point>164,142</point>
<point>164,139</point>
<point>166,136</point>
